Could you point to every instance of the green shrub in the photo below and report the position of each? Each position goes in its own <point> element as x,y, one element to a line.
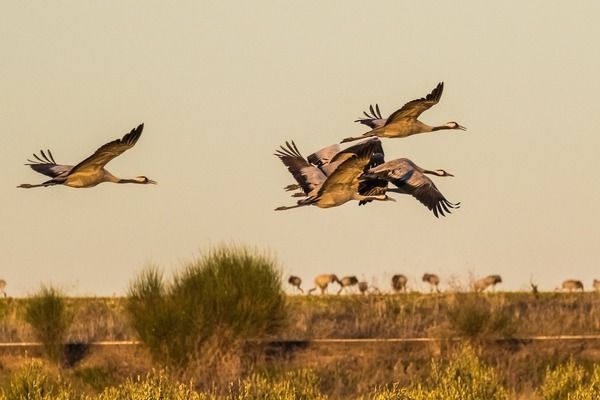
<point>32,383</point>
<point>474,316</point>
<point>464,377</point>
<point>50,317</point>
<point>294,385</point>
<point>229,294</point>
<point>571,382</point>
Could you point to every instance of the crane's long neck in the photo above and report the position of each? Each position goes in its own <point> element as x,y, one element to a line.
<point>134,180</point>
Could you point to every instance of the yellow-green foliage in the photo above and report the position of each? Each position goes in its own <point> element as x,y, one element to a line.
<point>32,382</point>
<point>571,382</point>
<point>294,385</point>
<point>464,377</point>
<point>154,386</point>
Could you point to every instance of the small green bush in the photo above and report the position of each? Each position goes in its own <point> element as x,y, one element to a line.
<point>571,382</point>
<point>473,316</point>
<point>33,383</point>
<point>464,377</point>
<point>229,294</point>
<point>50,317</point>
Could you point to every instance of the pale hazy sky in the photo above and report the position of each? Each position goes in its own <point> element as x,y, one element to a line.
<point>219,85</point>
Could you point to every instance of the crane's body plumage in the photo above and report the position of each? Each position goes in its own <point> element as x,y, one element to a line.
<point>403,122</point>
<point>89,172</point>
<point>341,185</point>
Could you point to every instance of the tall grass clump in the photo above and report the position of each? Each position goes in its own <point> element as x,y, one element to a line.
<point>464,377</point>
<point>229,294</point>
<point>50,317</point>
<point>571,382</point>
<point>474,316</point>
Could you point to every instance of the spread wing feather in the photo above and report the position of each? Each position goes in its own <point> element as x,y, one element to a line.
<point>110,150</point>
<point>414,108</point>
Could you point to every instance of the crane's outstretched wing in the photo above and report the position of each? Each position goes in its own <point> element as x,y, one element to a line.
<point>404,174</point>
<point>414,108</point>
<point>374,119</point>
<point>45,164</point>
<point>322,158</point>
<point>308,176</point>
<point>109,151</point>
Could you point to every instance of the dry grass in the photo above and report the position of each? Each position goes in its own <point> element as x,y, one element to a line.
<point>344,370</point>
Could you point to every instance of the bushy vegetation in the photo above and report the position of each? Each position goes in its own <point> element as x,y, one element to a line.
<point>474,316</point>
<point>50,317</point>
<point>229,294</point>
<point>33,382</point>
<point>571,382</point>
<point>463,377</point>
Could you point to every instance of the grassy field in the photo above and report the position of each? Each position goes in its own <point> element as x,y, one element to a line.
<point>339,370</point>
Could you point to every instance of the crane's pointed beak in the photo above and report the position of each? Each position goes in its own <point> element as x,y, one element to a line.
<point>152,182</point>
<point>462,128</point>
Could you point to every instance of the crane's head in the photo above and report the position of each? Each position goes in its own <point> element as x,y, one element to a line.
<point>144,180</point>
<point>441,172</point>
<point>455,125</point>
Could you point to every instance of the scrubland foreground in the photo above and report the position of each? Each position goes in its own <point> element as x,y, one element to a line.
<point>492,361</point>
<point>222,328</point>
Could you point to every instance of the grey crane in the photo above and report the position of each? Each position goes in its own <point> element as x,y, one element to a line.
<point>572,284</point>
<point>346,282</point>
<point>322,281</point>
<point>2,287</point>
<point>90,171</point>
<point>403,122</point>
<point>408,178</point>
<point>340,186</point>
<point>433,281</point>
<point>296,282</point>
<point>399,282</point>
<point>363,287</point>
<point>483,283</point>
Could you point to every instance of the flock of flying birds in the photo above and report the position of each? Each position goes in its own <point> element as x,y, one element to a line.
<point>331,176</point>
<point>327,178</point>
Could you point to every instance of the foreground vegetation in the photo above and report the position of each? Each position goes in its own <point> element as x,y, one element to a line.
<point>222,328</point>
<point>462,377</point>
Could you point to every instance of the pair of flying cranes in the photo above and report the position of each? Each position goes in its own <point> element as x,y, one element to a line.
<point>331,176</point>
<point>328,178</point>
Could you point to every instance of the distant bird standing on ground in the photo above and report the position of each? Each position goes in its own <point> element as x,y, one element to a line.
<point>296,282</point>
<point>2,287</point>
<point>363,287</point>
<point>90,171</point>
<point>322,281</point>
<point>433,281</point>
<point>483,283</point>
<point>346,282</point>
<point>404,122</point>
<point>408,178</point>
<point>399,283</point>
<point>596,285</point>
<point>339,187</point>
<point>572,284</point>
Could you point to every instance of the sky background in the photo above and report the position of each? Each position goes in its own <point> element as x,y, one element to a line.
<point>220,85</point>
